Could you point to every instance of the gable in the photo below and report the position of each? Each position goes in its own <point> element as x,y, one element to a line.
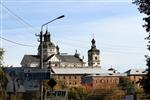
<point>54,58</point>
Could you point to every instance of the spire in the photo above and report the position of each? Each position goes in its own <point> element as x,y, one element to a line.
<point>47,36</point>
<point>93,55</point>
<point>93,44</point>
<point>57,48</point>
<point>76,54</point>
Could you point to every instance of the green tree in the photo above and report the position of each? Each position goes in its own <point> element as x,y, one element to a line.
<point>144,7</point>
<point>3,79</point>
<point>1,56</point>
<point>126,85</point>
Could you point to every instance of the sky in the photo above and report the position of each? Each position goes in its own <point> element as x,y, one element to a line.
<point>116,25</point>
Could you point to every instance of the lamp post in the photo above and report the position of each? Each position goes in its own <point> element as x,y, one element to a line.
<point>41,52</point>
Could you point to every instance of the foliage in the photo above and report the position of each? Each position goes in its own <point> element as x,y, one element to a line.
<point>29,96</point>
<point>1,56</point>
<point>113,93</point>
<point>77,93</point>
<point>126,85</point>
<point>3,79</point>
<point>144,7</point>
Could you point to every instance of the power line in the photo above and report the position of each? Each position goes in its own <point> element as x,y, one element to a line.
<point>17,42</point>
<point>20,19</point>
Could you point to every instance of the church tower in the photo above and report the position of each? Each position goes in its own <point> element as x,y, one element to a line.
<point>48,47</point>
<point>93,55</point>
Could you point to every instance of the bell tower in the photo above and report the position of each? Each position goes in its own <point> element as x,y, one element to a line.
<point>49,47</point>
<point>93,55</point>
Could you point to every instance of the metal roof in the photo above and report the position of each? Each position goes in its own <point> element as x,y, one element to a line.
<point>70,59</point>
<point>63,58</point>
<point>30,58</point>
<point>136,72</point>
<point>107,74</point>
<point>81,70</point>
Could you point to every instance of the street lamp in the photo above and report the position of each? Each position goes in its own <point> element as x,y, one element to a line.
<point>41,39</point>
<point>41,51</point>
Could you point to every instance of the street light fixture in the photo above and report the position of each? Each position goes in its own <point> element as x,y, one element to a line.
<point>41,51</point>
<point>41,39</point>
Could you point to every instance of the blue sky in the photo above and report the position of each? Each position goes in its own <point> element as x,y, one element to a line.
<point>117,28</point>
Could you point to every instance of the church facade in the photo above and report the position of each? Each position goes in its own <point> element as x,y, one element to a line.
<point>53,57</point>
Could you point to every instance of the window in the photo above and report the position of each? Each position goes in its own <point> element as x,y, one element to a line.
<point>95,58</point>
<point>75,77</point>
<point>57,77</point>
<point>69,77</point>
<point>64,77</point>
<point>95,81</point>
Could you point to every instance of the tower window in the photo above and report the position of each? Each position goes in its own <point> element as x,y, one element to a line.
<point>95,58</point>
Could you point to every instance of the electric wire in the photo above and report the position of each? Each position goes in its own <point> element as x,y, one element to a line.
<point>24,22</point>
<point>21,19</point>
<point>16,42</point>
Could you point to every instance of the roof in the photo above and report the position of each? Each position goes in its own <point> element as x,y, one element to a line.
<point>70,59</point>
<point>136,72</point>
<point>66,58</point>
<point>107,74</point>
<point>82,70</point>
<point>30,58</point>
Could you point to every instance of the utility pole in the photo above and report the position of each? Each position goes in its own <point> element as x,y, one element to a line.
<point>41,63</point>
<point>41,52</point>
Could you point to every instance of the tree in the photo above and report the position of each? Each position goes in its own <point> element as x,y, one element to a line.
<point>1,56</point>
<point>77,93</point>
<point>144,7</point>
<point>113,93</point>
<point>126,85</point>
<point>3,79</point>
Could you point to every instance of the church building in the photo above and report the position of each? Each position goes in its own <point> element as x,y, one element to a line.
<point>53,57</point>
<point>71,69</point>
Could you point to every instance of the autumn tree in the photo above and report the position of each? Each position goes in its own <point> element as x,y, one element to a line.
<point>113,93</point>
<point>144,7</point>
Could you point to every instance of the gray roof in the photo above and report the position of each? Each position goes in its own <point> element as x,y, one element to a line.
<point>82,70</point>
<point>107,74</point>
<point>30,58</point>
<point>67,58</point>
<point>63,58</point>
<point>70,59</point>
<point>136,72</point>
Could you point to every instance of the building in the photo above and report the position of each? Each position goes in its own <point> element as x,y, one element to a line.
<point>70,70</point>
<point>102,80</point>
<point>52,56</point>
<point>73,77</point>
<point>135,75</point>
<point>93,55</point>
